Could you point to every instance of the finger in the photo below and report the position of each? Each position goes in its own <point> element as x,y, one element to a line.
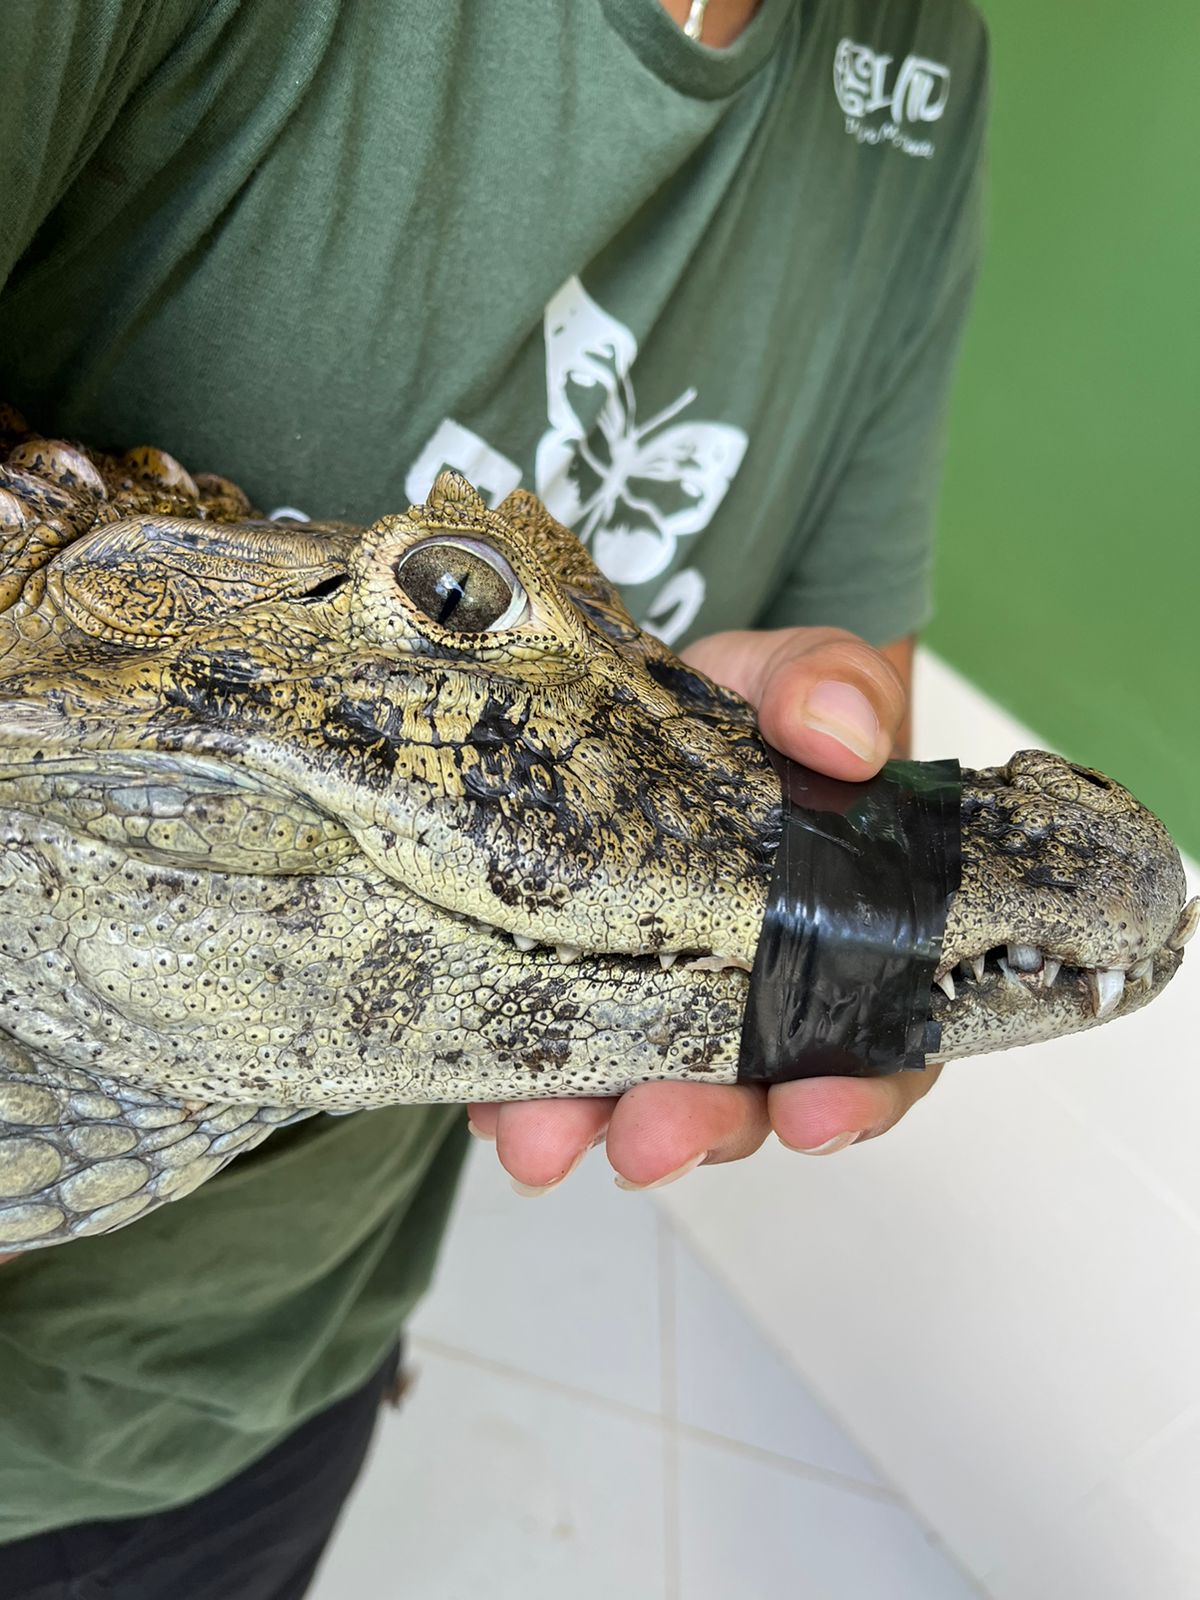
<point>659,1131</point>
<point>482,1118</point>
<point>824,697</point>
<point>539,1142</point>
<point>821,1115</point>
<point>833,703</point>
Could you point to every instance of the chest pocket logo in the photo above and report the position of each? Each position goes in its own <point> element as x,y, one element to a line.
<point>865,84</point>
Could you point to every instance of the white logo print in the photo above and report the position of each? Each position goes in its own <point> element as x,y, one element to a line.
<point>915,93</point>
<point>631,490</point>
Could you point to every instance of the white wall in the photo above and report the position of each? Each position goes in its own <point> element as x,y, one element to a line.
<point>1001,1299</point>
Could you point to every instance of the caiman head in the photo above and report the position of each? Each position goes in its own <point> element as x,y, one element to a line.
<point>316,816</point>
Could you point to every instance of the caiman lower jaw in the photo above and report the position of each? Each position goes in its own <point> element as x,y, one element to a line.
<point>1018,994</point>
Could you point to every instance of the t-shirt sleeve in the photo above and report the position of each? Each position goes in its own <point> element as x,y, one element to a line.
<point>66,68</point>
<point>867,562</point>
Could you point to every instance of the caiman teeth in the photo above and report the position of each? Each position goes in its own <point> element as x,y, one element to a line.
<point>1030,968</point>
<point>1186,926</point>
<point>1019,964</point>
<point>715,963</point>
<point>1024,957</point>
<point>666,958</point>
<point>1107,985</point>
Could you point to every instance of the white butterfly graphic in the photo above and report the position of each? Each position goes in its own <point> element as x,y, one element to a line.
<point>629,490</point>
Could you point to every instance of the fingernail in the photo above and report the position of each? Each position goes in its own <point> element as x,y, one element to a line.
<point>839,710</point>
<point>840,1141</point>
<point>531,1191</point>
<point>668,1177</point>
<point>478,1133</point>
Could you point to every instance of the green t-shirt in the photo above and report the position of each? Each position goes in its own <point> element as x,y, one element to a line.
<point>705,303</point>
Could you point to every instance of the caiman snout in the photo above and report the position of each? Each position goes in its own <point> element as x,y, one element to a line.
<point>1071,909</point>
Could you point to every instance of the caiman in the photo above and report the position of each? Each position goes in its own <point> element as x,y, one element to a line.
<point>310,817</point>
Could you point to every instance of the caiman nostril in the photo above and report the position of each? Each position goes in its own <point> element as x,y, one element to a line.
<point>1096,779</point>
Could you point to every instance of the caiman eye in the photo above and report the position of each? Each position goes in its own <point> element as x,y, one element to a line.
<point>463,584</point>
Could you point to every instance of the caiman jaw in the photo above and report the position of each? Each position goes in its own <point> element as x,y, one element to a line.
<point>1070,912</point>
<point>1000,998</point>
<point>1016,994</point>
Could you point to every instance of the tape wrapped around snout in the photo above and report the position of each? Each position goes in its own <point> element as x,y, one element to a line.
<point>854,924</point>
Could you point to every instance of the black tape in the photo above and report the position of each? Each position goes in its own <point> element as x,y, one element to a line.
<point>854,924</point>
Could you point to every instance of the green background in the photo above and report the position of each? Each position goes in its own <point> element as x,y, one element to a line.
<point>1069,569</point>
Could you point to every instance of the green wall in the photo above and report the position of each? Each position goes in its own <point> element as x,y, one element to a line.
<point>1069,568</point>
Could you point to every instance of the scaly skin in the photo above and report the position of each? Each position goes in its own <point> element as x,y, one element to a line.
<point>274,839</point>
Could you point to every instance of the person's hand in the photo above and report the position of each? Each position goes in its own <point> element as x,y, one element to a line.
<point>829,700</point>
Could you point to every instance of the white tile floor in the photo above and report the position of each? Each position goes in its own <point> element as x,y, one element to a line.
<point>595,1418</point>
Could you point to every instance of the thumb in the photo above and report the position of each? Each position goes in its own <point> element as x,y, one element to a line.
<point>824,697</point>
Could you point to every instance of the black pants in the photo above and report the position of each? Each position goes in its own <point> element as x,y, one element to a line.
<point>257,1537</point>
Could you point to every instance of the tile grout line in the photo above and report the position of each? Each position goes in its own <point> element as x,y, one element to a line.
<point>1107,1481</point>
<point>878,1493</point>
<point>669,1403</point>
<point>793,1365</point>
<point>505,1369</point>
